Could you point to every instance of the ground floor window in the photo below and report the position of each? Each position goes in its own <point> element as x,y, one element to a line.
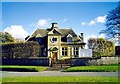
<point>43,51</point>
<point>64,51</point>
<point>76,51</point>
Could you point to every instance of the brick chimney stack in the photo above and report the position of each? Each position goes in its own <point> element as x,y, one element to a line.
<point>82,36</point>
<point>54,25</point>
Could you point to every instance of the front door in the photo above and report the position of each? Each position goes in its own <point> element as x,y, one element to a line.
<point>54,57</point>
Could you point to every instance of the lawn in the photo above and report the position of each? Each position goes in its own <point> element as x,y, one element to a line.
<point>103,68</point>
<point>23,68</point>
<point>61,79</point>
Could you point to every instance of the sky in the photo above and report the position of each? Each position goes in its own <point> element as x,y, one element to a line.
<point>60,0</point>
<point>22,18</point>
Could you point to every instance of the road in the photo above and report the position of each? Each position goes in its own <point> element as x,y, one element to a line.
<point>57,73</point>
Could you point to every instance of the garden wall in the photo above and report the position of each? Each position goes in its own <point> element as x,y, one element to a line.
<point>95,61</point>
<point>30,61</point>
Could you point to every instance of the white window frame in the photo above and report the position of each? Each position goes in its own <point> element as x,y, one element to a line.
<point>75,51</point>
<point>64,51</point>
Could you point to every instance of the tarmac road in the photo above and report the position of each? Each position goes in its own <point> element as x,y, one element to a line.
<point>57,73</point>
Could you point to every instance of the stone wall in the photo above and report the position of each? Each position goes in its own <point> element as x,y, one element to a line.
<point>30,61</point>
<point>95,61</point>
<point>104,61</point>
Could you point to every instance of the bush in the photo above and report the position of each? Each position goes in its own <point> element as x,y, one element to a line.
<point>20,50</point>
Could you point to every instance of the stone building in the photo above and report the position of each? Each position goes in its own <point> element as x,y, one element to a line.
<point>58,43</point>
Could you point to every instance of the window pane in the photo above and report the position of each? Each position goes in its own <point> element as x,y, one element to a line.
<point>76,48</point>
<point>65,53</point>
<point>38,39</point>
<point>66,48</point>
<point>62,52</point>
<point>76,52</point>
<point>62,49</point>
<point>69,39</point>
<point>54,39</point>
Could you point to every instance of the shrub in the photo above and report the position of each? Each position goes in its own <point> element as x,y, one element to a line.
<point>20,50</point>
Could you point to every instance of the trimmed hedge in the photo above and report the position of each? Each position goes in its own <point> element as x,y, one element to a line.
<point>20,50</point>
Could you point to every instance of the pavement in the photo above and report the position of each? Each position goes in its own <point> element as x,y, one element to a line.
<point>57,73</point>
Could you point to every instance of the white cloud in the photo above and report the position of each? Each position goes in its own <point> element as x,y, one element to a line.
<point>17,31</point>
<point>100,19</point>
<point>83,23</point>
<point>64,20</point>
<point>43,22</point>
<point>92,23</point>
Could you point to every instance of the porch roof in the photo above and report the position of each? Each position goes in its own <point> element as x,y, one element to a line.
<point>53,49</point>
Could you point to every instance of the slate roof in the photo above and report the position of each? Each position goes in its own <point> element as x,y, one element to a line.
<point>63,32</point>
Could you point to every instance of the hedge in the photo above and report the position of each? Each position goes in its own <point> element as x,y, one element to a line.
<point>20,50</point>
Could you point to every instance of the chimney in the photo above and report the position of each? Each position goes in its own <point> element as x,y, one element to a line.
<point>82,36</point>
<point>54,25</point>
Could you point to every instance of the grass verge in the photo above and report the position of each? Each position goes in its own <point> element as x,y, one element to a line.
<point>61,79</point>
<point>29,68</point>
<point>103,68</point>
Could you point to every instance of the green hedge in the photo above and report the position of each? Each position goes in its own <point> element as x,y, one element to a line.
<point>20,50</point>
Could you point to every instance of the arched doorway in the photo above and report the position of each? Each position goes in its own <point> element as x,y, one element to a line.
<point>54,57</point>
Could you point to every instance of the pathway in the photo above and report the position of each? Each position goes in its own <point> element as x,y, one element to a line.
<point>57,73</point>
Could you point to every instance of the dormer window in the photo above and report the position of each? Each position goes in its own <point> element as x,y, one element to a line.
<point>69,38</point>
<point>38,38</point>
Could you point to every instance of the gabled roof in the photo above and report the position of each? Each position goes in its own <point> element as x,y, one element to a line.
<point>44,32</point>
<point>38,35</point>
<point>54,31</point>
<point>69,35</point>
<point>61,31</point>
